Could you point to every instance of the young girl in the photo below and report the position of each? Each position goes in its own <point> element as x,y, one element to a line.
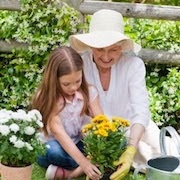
<point>65,99</point>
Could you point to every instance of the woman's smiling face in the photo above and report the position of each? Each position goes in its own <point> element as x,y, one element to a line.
<point>106,57</point>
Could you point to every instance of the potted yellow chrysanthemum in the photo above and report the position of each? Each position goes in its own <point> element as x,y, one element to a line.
<point>105,140</point>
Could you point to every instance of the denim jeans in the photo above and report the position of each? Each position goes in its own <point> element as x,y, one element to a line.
<point>57,156</point>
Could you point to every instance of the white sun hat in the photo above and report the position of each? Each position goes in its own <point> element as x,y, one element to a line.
<point>106,28</point>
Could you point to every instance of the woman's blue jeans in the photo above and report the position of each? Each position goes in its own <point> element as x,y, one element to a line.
<point>57,156</point>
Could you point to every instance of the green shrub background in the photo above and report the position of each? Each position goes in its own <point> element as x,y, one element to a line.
<point>45,25</point>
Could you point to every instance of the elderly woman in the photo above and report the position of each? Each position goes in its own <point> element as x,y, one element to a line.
<point>120,80</point>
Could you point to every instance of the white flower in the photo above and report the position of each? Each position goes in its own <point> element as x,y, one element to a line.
<point>28,118</point>
<point>13,139</point>
<point>19,144</point>
<point>4,120</point>
<point>154,74</point>
<point>4,116</point>
<point>171,90</point>
<point>29,147</point>
<point>29,130</point>
<point>159,123</point>
<point>158,103</point>
<point>35,114</point>
<point>15,116</point>
<point>171,102</point>
<point>19,115</point>
<point>14,127</point>
<point>40,124</point>
<point>4,130</point>
<point>21,112</point>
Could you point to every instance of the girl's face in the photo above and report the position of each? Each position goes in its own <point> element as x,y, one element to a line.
<point>70,83</point>
<point>106,57</point>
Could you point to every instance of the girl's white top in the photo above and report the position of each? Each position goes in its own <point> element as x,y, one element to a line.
<point>127,96</point>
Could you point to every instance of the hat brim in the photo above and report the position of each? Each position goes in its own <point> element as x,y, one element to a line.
<point>101,39</point>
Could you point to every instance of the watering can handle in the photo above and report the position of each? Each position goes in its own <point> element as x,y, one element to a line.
<point>174,135</point>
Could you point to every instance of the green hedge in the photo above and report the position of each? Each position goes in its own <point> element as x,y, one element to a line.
<point>44,26</point>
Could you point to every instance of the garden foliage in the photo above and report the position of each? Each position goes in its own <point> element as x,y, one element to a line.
<point>44,25</point>
<point>162,2</point>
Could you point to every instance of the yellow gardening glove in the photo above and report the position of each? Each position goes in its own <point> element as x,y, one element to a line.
<point>124,163</point>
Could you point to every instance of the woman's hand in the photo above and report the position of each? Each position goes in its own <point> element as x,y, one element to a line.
<point>124,163</point>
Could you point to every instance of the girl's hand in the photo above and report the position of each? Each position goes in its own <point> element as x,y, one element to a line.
<point>90,170</point>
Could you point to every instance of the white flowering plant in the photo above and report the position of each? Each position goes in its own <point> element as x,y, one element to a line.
<point>164,94</point>
<point>19,137</point>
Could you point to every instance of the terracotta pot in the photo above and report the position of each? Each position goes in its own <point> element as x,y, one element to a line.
<point>12,173</point>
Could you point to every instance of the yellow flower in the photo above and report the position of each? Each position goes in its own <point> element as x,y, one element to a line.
<point>125,123</point>
<point>102,132</point>
<point>104,125</point>
<point>113,128</point>
<point>99,119</point>
<point>87,127</point>
<point>96,132</point>
<point>120,121</point>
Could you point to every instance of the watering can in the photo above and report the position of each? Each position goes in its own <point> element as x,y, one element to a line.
<point>164,167</point>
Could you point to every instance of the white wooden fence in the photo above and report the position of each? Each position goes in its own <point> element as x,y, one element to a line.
<point>135,10</point>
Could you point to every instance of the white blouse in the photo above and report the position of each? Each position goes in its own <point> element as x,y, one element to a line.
<point>127,96</point>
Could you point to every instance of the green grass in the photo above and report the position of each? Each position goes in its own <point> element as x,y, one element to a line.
<point>39,174</point>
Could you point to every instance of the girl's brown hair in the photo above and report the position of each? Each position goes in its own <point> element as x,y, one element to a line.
<point>62,61</point>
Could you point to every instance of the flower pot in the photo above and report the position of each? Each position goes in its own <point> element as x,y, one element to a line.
<point>106,175</point>
<point>19,173</point>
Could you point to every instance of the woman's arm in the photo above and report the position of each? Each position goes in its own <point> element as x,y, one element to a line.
<point>94,102</point>
<point>95,107</point>
<point>136,133</point>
